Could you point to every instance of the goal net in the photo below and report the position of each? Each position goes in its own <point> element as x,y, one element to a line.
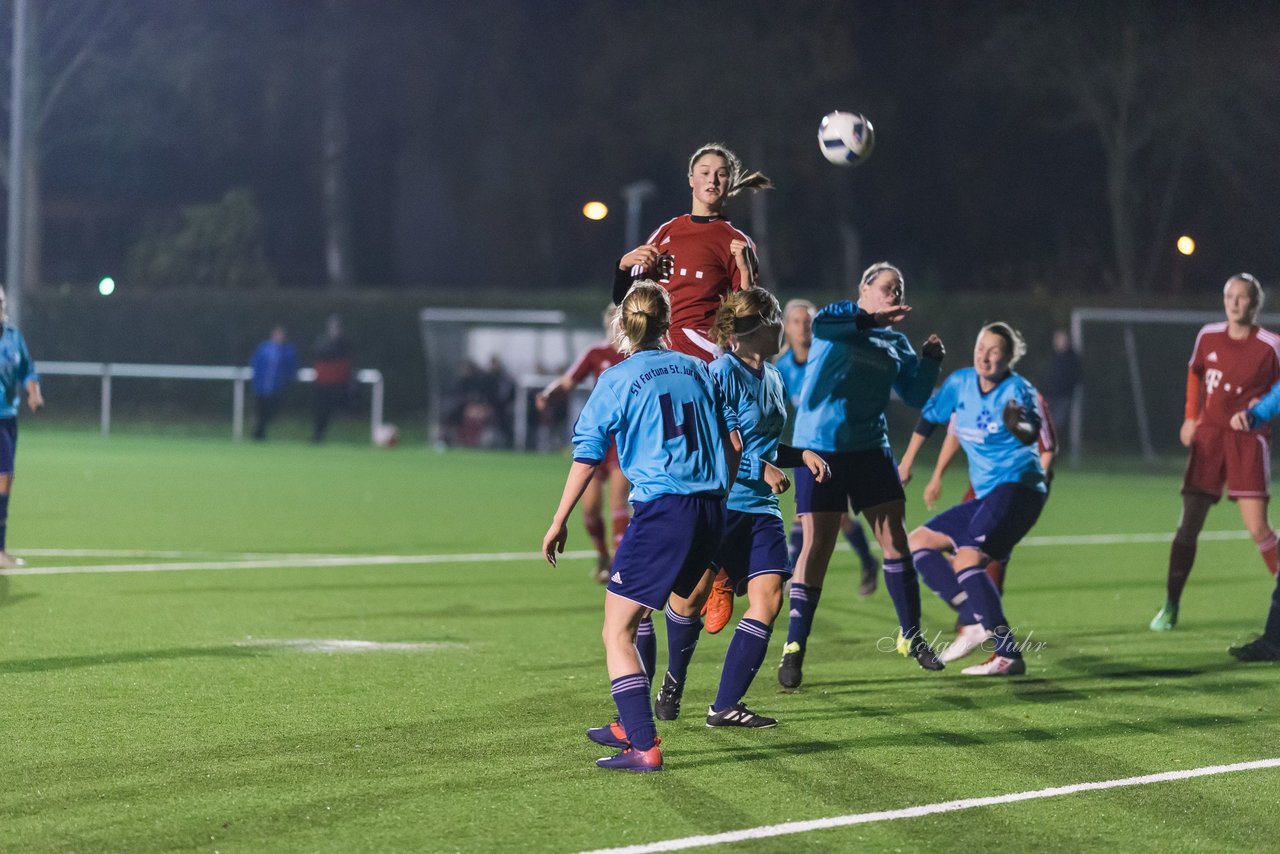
<point>1134,364</point>
<point>484,367</point>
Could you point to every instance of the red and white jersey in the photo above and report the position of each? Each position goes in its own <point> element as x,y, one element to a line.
<point>1233,373</point>
<point>703,272</point>
<point>594,361</point>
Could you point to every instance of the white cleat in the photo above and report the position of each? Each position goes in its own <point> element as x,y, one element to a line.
<point>997,665</point>
<point>968,639</point>
<point>8,561</point>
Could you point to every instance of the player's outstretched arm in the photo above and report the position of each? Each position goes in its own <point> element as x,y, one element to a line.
<point>575,484</point>
<point>933,489</point>
<point>909,457</point>
<point>35,398</point>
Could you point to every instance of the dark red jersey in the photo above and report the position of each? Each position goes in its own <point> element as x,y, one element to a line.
<point>703,269</point>
<point>594,361</point>
<point>1233,373</point>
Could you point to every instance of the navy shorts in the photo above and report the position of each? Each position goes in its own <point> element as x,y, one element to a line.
<point>754,544</point>
<point>993,524</point>
<point>667,547</point>
<point>8,444</point>
<point>859,478</point>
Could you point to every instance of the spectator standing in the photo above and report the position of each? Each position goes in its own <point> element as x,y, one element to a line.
<point>332,364</point>
<point>275,365</point>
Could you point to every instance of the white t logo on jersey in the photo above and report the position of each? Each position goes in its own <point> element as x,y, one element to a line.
<point>1212,377</point>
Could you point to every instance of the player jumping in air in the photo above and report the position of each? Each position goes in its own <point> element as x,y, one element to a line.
<point>1233,364</point>
<point>855,363</point>
<point>678,445</point>
<point>700,258</point>
<point>997,422</point>
<point>592,362</point>
<point>754,550</point>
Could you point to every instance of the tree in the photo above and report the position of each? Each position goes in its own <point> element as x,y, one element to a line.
<point>1149,85</point>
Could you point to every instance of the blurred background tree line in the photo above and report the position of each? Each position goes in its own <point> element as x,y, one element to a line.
<point>344,145</point>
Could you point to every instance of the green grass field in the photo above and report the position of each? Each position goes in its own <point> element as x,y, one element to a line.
<point>178,709</point>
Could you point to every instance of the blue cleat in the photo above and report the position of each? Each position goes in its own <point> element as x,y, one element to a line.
<point>610,735</point>
<point>635,760</point>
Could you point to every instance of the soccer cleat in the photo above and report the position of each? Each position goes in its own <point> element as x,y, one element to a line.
<point>610,735</point>
<point>968,639</point>
<point>8,561</point>
<point>919,649</point>
<point>718,609</point>
<point>789,674</point>
<point>1259,649</point>
<point>738,715</point>
<point>631,759</point>
<point>1166,618</point>
<point>997,665</point>
<point>667,706</point>
<point>601,573</point>
<point>867,584</point>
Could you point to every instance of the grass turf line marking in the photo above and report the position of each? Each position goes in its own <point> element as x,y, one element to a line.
<point>340,645</point>
<point>288,561</point>
<point>303,562</point>
<point>793,827</point>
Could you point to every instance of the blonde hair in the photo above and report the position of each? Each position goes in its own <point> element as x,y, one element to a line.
<point>743,312</point>
<point>876,269</point>
<point>643,317</point>
<point>1014,344</point>
<point>737,181</point>
<point>793,304</point>
<point>1255,292</point>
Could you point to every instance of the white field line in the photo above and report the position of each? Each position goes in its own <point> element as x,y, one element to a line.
<point>253,560</point>
<point>793,827</point>
<point>288,562</point>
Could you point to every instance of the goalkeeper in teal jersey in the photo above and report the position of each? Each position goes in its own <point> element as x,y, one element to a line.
<point>678,446</point>
<point>997,420</point>
<point>856,362</point>
<point>17,372</point>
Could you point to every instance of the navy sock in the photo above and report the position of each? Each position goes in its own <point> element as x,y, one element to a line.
<point>858,542</point>
<point>804,602</point>
<point>647,646</point>
<point>936,571</point>
<point>797,541</point>
<point>986,605</point>
<point>746,654</point>
<point>631,694</point>
<point>1272,631</point>
<point>903,584</point>
<point>4,518</point>
<point>682,640</point>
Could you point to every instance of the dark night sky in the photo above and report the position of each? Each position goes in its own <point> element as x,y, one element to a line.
<point>477,131</point>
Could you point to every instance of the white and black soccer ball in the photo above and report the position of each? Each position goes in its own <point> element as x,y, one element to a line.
<point>846,139</point>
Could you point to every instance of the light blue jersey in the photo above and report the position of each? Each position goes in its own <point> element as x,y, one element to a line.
<point>759,402</point>
<point>16,368</point>
<point>847,383</point>
<point>792,380</point>
<point>995,455</point>
<point>1265,409</point>
<point>669,422</point>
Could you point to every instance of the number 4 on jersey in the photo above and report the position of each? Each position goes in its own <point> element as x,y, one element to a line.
<point>671,430</point>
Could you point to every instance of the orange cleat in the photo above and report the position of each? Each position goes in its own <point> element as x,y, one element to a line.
<point>718,609</point>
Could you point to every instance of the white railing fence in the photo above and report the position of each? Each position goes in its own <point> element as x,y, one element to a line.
<point>236,375</point>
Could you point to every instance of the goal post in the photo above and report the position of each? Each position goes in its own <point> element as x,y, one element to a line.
<point>1134,369</point>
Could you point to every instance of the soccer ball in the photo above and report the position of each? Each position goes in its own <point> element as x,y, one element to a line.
<point>386,436</point>
<point>846,139</point>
